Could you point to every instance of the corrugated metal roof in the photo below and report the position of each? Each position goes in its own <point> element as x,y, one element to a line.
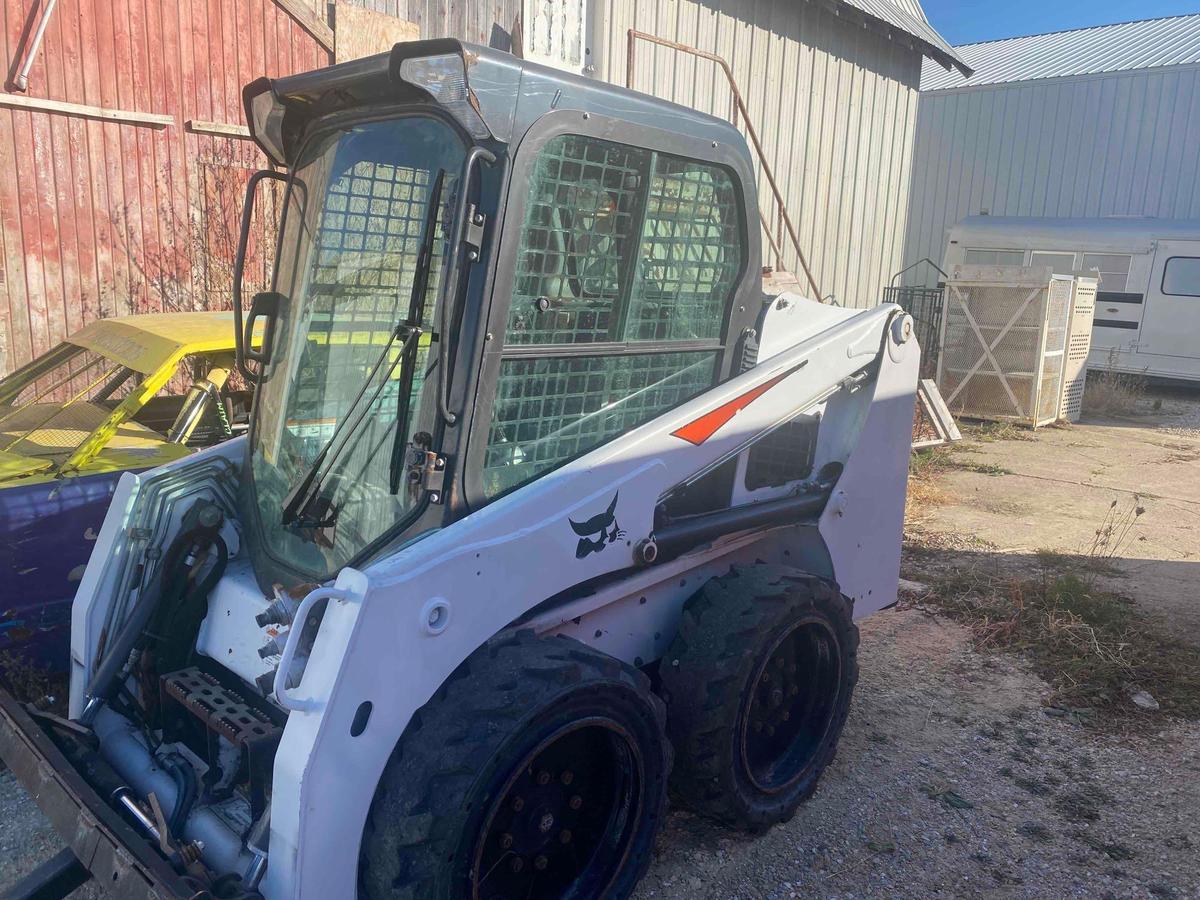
<point>1148,44</point>
<point>907,16</point>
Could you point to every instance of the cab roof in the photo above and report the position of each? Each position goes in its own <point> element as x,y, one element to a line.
<point>146,343</point>
<point>506,94</point>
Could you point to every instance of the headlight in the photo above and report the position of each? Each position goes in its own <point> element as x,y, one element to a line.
<point>444,78</point>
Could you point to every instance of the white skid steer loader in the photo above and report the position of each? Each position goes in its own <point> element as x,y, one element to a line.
<point>545,507</point>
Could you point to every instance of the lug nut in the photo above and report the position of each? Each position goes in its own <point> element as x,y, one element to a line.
<point>565,837</point>
<point>506,841</point>
<point>518,804</point>
<point>575,802</point>
<point>787,715</point>
<point>517,864</point>
<point>540,863</point>
<point>567,777</point>
<point>543,778</point>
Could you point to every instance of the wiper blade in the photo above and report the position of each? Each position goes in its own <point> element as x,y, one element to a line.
<point>416,313</point>
<point>309,487</point>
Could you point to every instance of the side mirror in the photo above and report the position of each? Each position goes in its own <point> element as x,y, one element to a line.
<point>242,333</point>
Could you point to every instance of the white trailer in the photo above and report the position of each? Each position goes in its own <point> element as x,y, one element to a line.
<point>1148,305</point>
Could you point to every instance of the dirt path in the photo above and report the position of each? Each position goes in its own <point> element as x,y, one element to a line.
<point>1055,491</point>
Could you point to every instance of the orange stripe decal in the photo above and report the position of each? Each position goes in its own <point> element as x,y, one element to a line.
<point>700,430</point>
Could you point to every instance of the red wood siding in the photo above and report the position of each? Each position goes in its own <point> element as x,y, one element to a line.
<point>101,218</point>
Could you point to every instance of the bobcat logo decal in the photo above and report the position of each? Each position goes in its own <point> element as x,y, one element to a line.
<point>597,532</point>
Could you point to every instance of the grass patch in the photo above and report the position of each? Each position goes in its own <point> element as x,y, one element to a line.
<point>1109,392</point>
<point>1094,647</point>
<point>1114,850</point>
<point>987,432</point>
<point>1035,832</point>
<point>981,468</point>
<point>924,469</point>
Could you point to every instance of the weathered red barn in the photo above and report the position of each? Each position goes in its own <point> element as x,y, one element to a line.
<point>122,162</point>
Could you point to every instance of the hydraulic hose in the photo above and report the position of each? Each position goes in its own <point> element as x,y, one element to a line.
<point>201,534</point>
<point>187,792</point>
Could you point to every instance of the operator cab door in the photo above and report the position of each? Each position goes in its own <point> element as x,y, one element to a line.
<point>627,285</point>
<point>1171,322</point>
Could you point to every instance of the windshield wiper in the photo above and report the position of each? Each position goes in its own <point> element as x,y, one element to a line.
<point>309,487</point>
<point>416,313</point>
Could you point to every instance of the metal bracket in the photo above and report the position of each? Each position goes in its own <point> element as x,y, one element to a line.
<point>853,382</point>
<point>427,470</point>
<point>473,232</point>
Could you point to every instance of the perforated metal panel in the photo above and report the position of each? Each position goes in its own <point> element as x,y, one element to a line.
<point>551,410</point>
<point>366,254</point>
<point>689,255</point>
<point>1079,344</point>
<point>619,246</point>
<point>1004,333</point>
<point>582,210</point>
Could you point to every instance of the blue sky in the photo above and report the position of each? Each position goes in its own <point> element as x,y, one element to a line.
<point>967,21</point>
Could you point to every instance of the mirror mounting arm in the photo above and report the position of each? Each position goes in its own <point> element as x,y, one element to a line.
<point>240,336</point>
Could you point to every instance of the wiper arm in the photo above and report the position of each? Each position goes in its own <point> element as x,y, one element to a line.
<point>416,313</point>
<point>301,496</point>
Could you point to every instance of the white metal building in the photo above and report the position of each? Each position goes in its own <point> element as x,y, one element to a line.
<point>1083,124</point>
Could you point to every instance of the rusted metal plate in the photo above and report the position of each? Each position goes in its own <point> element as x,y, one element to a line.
<point>119,858</point>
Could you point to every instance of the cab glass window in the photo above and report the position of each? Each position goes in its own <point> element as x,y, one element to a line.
<point>627,262</point>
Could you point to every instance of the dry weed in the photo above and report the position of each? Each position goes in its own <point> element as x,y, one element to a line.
<point>1109,392</point>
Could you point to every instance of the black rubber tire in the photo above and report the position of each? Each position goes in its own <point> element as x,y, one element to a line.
<point>456,756</point>
<point>727,632</point>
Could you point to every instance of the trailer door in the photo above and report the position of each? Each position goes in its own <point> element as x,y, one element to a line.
<point>1171,322</point>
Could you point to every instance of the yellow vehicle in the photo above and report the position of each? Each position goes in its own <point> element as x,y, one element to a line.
<point>121,394</point>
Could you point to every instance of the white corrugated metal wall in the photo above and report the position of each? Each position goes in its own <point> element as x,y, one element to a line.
<point>1119,144</point>
<point>834,105</point>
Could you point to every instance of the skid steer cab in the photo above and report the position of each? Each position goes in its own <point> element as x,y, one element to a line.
<point>545,506</point>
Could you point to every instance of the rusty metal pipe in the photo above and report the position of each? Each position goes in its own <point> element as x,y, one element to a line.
<point>739,107</point>
<point>21,82</point>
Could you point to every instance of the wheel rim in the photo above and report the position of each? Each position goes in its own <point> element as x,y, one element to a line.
<point>563,822</point>
<point>793,695</point>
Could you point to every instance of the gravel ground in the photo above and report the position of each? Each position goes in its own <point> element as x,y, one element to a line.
<point>1178,410</point>
<point>951,781</point>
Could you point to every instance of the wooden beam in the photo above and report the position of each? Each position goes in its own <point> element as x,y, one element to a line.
<point>124,116</point>
<point>309,21</point>
<point>222,129</point>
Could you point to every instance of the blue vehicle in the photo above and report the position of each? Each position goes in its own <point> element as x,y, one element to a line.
<point>120,395</point>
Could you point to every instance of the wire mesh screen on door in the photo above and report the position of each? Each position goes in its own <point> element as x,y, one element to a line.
<point>1004,342</point>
